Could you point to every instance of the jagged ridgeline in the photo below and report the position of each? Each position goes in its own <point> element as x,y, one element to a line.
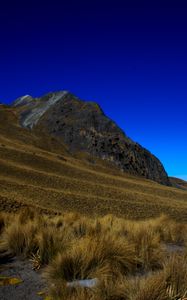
<point>84,127</point>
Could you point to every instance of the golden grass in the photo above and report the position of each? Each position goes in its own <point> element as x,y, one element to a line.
<point>151,287</point>
<point>72,231</point>
<point>175,275</point>
<point>94,258</point>
<point>129,258</point>
<point>38,170</point>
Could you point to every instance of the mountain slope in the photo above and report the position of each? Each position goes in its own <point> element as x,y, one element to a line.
<point>85,128</point>
<point>38,170</point>
<point>178,182</point>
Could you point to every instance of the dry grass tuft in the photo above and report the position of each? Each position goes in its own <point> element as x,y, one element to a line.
<point>20,240</point>
<point>89,258</point>
<point>126,257</point>
<point>50,241</point>
<point>169,230</point>
<point>175,275</point>
<point>152,287</point>
<point>148,247</point>
<point>120,289</point>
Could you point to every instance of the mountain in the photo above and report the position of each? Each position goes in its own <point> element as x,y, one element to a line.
<point>84,127</point>
<point>177,182</point>
<point>38,170</point>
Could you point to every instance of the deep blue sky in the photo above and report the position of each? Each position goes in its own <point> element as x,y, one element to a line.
<point>129,56</point>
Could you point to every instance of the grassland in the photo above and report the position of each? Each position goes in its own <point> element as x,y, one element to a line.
<point>36,170</point>
<point>71,215</point>
<point>127,260</point>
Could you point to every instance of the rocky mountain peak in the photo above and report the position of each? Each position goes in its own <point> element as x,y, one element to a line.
<point>24,100</point>
<point>34,108</point>
<point>84,127</point>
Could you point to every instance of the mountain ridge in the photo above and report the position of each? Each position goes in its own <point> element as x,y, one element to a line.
<point>38,170</point>
<point>84,127</point>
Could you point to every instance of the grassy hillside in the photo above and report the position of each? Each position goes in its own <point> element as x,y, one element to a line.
<point>36,170</point>
<point>179,182</point>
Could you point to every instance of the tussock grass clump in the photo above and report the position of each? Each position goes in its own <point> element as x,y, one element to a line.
<point>50,241</point>
<point>151,287</point>
<point>35,237</point>
<point>127,258</point>
<point>147,245</point>
<point>169,230</point>
<point>20,239</point>
<point>48,245</point>
<point>106,289</point>
<point>120,289</point>
<point>86,227</point>
<point>175,276</point>
<point>82,227</point>
<point>101,258</point>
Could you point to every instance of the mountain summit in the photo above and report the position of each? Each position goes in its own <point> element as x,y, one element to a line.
<point>84,127</point>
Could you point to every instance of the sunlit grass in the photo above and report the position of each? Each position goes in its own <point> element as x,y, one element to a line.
<point>129,259</point>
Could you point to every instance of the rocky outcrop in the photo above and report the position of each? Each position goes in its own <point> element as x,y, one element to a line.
<point>83,126</point>
<point>34,109</point>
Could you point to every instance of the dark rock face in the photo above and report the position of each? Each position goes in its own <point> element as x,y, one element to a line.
<point>84,127</point>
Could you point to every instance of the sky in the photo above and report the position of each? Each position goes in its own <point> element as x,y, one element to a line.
<point>129,56</point>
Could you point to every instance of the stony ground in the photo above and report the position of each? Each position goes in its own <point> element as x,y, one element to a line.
<point>31,284</point>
